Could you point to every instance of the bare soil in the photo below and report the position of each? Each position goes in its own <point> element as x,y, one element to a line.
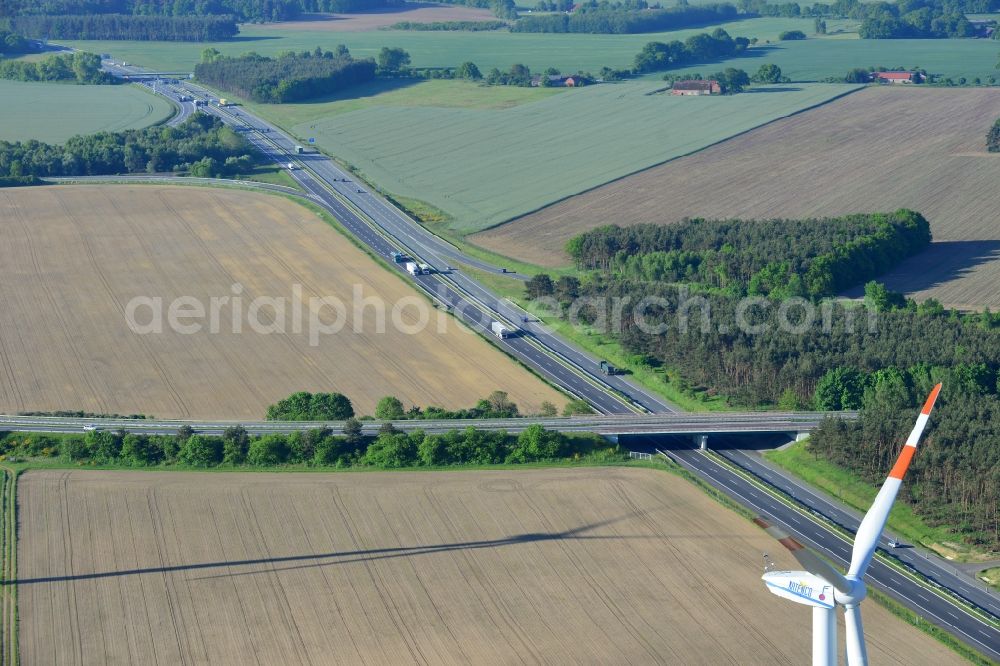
<point>879,149</point>
<point>562,566</point>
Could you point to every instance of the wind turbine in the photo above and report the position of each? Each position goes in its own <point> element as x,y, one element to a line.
<point>822,586</point>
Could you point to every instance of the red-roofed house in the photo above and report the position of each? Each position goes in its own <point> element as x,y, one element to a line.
<point>896,77</point>
<point>696,87</point>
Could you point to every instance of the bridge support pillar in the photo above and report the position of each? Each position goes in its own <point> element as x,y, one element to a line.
<point>701,441</point>
<point>799,436</point>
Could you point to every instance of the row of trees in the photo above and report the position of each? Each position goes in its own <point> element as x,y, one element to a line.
<point>304,406</point>
<point>77,66</point>
<point>242,10</point>
<point>703,47</point>
<point>626,21</point>
<point>444,26</point>
<point>319,447</point>
<point>993,138</point>
<point>780,258</point>
<point>290,77</point>
<point>152,149</point>
<point>128,26</point>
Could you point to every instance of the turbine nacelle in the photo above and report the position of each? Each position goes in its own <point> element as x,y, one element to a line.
<point>801,587</point>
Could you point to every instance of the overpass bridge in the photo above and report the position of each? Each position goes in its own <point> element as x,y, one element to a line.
<point>698,426</point>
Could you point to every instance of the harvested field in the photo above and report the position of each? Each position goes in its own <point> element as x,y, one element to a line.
<point>879,149</point>
<point>564,566</point>
<point>414,12</point>
<point>73,257</point>
<point>36,110</point>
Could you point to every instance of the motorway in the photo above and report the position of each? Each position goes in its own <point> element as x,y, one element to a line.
<point>979,631</point>
<point>385,229</point>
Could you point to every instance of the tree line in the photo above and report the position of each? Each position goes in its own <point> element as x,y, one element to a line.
<point>202,143</point>
<point>305,406</point>
<point>244,11</point>
<point>313,448</point>
<point>290,77</point>
<point>656,56</point>
<point>993,138</point>
<point>443,26</point>
<point>607,20</point>
<point>779,258</point>
<point>127,26</point>
<point>78,66</point>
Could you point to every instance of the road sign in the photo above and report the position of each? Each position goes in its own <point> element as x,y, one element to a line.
<point>312,139</point>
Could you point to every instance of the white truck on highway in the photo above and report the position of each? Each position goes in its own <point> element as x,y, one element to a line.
<point>425,269</point>
<point>412,268</point>
<point>500,330</point>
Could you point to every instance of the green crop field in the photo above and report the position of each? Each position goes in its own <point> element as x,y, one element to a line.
<point>54,112</point>
<point>484,166</point>
<point>436,49</point>
<point>441,93</point>
<point>816,59</point>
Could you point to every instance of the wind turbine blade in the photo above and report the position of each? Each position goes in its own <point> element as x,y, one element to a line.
<point>874,521</point>
<point>809,560</point>
<point>857,654</point>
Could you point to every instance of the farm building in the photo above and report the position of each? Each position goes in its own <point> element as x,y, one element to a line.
<point>555,80</point>
<point>896,77</point>
<point>696,87</point>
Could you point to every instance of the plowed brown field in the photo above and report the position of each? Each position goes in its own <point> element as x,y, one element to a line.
<point>878,149</point>
<point>72,258</point>
<point>567,566</point>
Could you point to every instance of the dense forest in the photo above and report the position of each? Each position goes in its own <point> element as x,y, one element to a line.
<point>708,301</point>
<point>77,66</point>
<point>290,77</point>
<point>954,480</point>
<point>626,21</point>
<point>201,145</point>
<point>993,138</point>
<point>702,47</point>
<point>243,10</point>
<point>314,448</point>
<point>778,258</point>
<point>11,43</point>
<point>126,26</point>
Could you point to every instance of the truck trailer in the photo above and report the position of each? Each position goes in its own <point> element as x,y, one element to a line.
<point>500,330</point>
<point>412,268</point>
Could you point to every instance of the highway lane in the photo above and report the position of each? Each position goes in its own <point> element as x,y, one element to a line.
<point>363,211</point>
<point>952,617</point>
<point>927,563</point>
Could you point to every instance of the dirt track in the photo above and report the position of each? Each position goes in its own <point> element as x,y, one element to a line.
<point>559,566</point>
<point>72,258</point>
<point>878,149</point>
